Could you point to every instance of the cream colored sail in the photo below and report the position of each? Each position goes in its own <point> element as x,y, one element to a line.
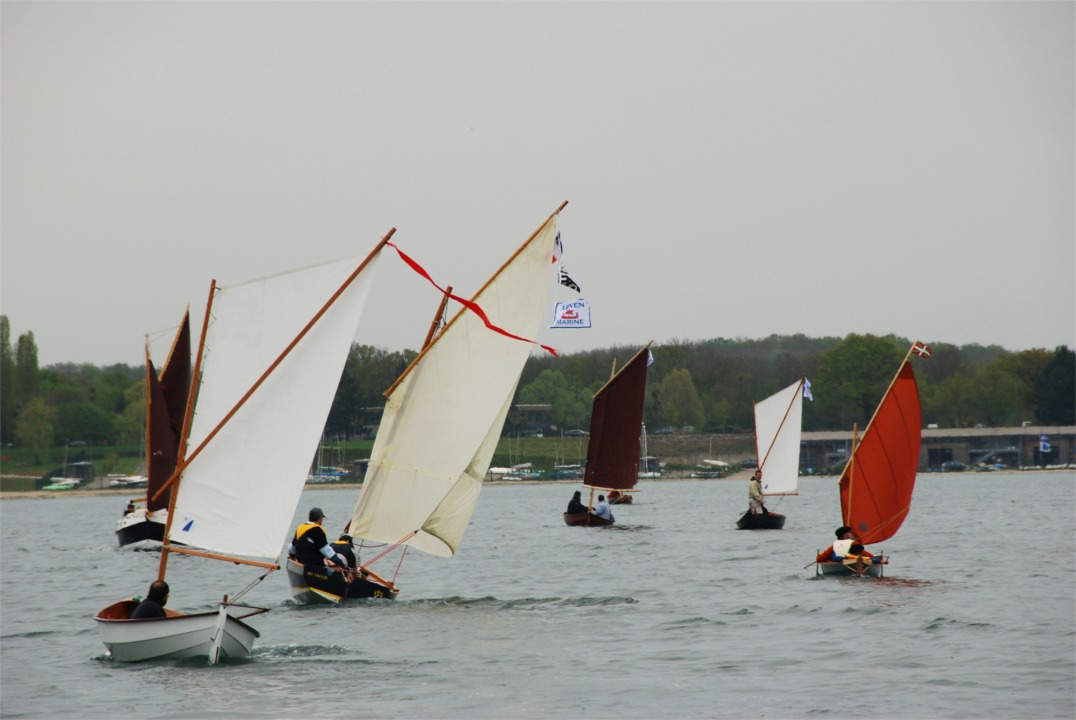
<point>778,419</point>
<point>441,423</point>
<point>239,494</point>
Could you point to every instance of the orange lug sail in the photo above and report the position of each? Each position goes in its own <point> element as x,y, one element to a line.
<point>877,483</point>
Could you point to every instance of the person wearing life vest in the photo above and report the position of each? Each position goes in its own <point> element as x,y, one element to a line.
<point>856,553</point>
<point>842,548</point>
<point>310,546</point>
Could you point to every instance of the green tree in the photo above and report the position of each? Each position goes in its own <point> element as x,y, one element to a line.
<point>550,388</point>
<point>26,370</point>
<point>1055,389</point>
<point>109,387</point>
<point>131,422</point>
<point>7,383</point>
<point>717,414</point>
<point>34,429</point>
<point>85,421</point>
<point>949,403</point>
<point>1003,404</point>
<point>368,373</point>
<point>853,376</point>
<point>677,402</point>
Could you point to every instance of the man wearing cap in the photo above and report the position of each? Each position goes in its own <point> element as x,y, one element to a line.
<point>345,547</point>
<point>311,547</point>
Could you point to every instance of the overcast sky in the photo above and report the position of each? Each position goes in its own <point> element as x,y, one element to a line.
<point>733,169</point>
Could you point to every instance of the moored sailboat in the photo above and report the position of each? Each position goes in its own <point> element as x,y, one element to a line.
<point>166,405</point>
<point>444,415</point>
<point>778,422</point>
<point>613,451</point>
<point>269,360</point>
<point>877,481</point>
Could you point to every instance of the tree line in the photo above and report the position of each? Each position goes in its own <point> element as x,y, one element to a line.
<point>708,385</point>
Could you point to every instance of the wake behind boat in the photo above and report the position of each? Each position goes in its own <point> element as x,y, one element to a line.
<point>877,481</point>
<point>268,363</point>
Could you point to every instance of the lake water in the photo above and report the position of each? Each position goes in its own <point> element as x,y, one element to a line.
<point>672,613</point>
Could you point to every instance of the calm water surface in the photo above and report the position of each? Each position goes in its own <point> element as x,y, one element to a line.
<point>672,613</point>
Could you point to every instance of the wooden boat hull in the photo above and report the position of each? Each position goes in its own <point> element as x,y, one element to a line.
<point>586,519</point>
<point>176,636</point>
<point>623,499</point>
<point>858,569</point>
<point>309,586</point>
<point>138,528</point>
<point>751,521</point>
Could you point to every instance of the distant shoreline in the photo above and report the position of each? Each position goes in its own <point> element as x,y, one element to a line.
<point>134,492</point>
<point>127,492</point>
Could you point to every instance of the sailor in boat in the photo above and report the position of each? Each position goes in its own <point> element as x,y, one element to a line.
<point>844,547</point>
<point>311,547</point>
<point>602,509</point>
<point>756,501</point>
<point>153,605</point>
<point>345,547</point>
<point>856,554</point>
<point>130,509</point>
<point>576,506</point>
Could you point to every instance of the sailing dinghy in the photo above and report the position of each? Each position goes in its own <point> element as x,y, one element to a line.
<point>268,364</point>
<point>878,479</point>
<point>778,422</point>
<point>444,415</point>
<point>613,451</point>
<point>166,405</point>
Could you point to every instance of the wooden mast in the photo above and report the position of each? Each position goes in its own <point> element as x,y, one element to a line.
<point>184,461</point>
<point>437,316</point>
<point>762,461</point>
<point>149,437</point>
<point>850,467</point>
<point>188,416</point>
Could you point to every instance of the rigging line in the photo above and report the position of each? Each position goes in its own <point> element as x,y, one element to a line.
<point>254,582</point>
<point>400,542</point>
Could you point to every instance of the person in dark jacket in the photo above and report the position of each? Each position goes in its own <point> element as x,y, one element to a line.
<point>153,605</point>
<point>575,505</point>
<point>311,547</point>
<point>345,547</point>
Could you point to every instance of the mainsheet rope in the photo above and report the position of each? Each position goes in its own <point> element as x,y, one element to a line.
<point>472,306</point>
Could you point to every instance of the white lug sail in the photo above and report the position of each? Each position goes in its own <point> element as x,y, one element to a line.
<point>239,494</point>
<point>778,419</point>
<point>442,422</point>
